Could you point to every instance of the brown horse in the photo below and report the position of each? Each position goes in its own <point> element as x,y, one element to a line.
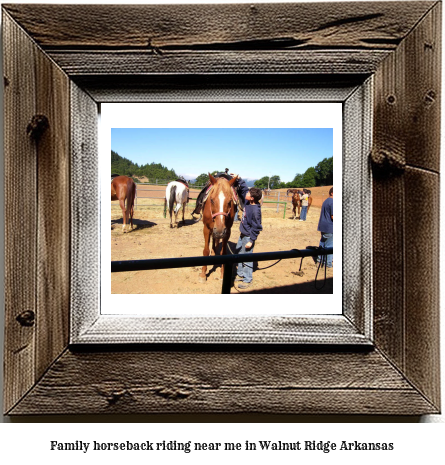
<point>292,191</point>
<point>296,203</point>
<point>218,215</point>
<point>123,189</point>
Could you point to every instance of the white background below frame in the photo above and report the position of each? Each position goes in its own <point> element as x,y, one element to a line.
<point>224,115</point>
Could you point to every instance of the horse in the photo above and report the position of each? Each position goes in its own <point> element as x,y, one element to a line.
<point>218,216</point>
<point>292,191</point>
<point>123,189</point>
<point>176,192</point>
<point>296,202</point>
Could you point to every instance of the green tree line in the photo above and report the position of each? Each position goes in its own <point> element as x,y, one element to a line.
<point>320,175</point>
<point>123,166</point>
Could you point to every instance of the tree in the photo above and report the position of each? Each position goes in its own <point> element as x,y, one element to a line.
<point>153,171</point>
<point>297,181</point>
<point>275,182</point>
<point>309,177</point>
<point>325,172</point>
<point>202,179</point>
<point>262,183</point>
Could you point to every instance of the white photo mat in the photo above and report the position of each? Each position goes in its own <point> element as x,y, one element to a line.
<point>218,115</point>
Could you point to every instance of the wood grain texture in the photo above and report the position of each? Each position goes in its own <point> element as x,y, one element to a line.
<point>130,63</point>
<point>85,210</point>
<point>406,133</point>
<point>20,213</point>
<point>219,381</point>
<point>53,225</point>
<point>422,290</point>
<point>357,234</point>
<point>109,329</point>
<point>158,27</point>
<point>423,92</point>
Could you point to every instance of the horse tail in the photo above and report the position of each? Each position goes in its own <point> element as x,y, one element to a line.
<point>132,197</point>
<point>172,199</point>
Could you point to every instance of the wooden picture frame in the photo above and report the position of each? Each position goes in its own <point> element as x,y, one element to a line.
<point>76,56</point>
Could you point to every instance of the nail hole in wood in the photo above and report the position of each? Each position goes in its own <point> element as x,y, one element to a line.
<point>26,318</point>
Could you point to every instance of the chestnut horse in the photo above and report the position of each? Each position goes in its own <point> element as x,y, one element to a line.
<point>218,215</point>
<point>292,191</point>
<point>123,189</point>
<point>296,203</point>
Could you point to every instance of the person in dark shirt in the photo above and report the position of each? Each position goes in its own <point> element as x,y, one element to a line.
<point>326,227</point>
<point>250,228</point>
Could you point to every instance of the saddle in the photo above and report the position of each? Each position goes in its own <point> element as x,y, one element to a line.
<point>203,195</point>
<point>184,182</point>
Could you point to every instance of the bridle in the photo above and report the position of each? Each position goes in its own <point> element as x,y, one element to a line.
<point>234,199</point>
<point>219,213</point>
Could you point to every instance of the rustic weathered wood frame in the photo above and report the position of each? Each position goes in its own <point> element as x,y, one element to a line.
<point>76,56</point>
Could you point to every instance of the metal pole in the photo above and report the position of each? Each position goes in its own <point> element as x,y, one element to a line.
<point>227,279</point>
<point>183,262</point>
<point>278,205</point>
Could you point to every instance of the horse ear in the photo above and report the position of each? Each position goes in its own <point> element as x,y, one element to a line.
<point>212,179</point>
<point>232,181</point>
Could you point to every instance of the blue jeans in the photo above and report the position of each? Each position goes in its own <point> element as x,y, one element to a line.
<point>303,213</point>
<point>244,270</point>
<point>326,241</point>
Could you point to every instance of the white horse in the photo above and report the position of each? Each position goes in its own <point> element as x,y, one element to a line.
<point>178,193</point>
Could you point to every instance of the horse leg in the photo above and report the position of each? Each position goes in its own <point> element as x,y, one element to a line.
<point>205,252</point>
<point>224,252</point>
<point>214,247</point>
<point>183,211</point>
<point>215,243</point>
<point>128,217</point>
<point>171,213</point>
<point>133,195</point>
<point>124,213</point>
<point>178,206</point>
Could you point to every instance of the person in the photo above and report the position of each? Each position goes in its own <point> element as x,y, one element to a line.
<point>304,203</point>
<point>250,228</point>
<point>326,227</point>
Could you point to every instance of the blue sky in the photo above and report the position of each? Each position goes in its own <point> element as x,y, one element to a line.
<point>251,153</point>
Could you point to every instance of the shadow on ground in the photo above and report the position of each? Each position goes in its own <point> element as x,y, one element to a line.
<point>312,287</point>
<point>139,224</point>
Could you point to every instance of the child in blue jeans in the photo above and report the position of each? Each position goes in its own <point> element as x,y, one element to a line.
<point>250,228</point>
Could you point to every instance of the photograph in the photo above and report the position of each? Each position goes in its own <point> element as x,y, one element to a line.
<point>266,209</point>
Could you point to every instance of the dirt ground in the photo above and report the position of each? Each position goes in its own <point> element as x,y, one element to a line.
<point>152,237</point>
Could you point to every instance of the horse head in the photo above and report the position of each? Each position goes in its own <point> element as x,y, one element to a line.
<point>222,205</point>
